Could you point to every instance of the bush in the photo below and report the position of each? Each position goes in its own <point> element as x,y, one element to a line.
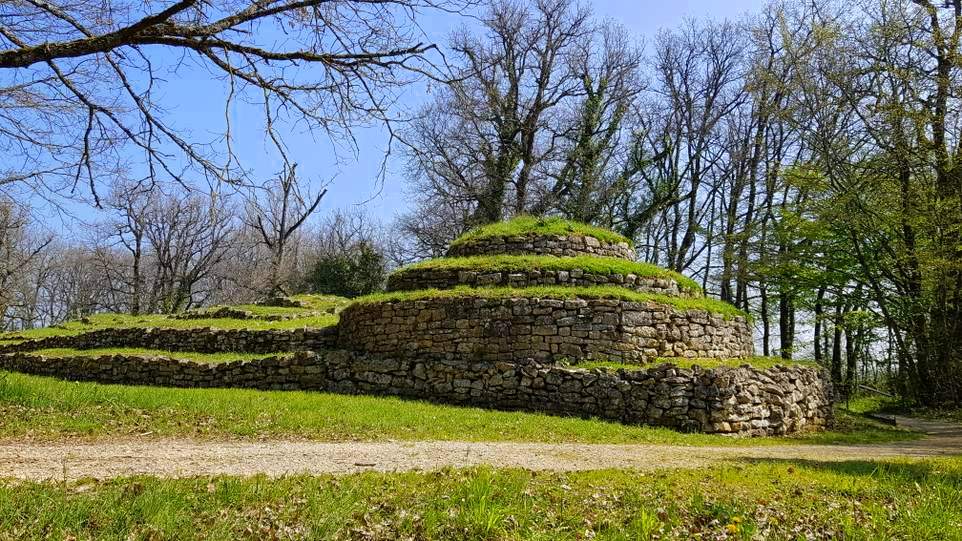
<point>359,271</point>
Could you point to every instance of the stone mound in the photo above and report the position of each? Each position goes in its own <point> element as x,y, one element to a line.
<point>414,278</point>
<point>516,315</point>
<point>536,244</point>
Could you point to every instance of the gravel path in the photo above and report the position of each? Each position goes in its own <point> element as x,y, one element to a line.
<point>185,458</point>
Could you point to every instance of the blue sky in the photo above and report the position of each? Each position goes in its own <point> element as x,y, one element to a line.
<point>355,182</point>
<point>195,102</point>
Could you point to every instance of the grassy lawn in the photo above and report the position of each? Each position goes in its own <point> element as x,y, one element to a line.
<point>40,408</point>
<point>312,305</point>
<point>919,500</point>
<point>560,292</point>
<point>523,263</point>
<point>761,363</point>
<point>523,225</point>
<point>105,321</point>
<point>184,355</point>
<point>879,404</point>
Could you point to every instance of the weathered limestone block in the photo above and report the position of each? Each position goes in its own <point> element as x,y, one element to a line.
<point>561,246</point>
<point>736,401</point>
<point>200,340</point>
<point>414,279</point>
<point>543,329</point>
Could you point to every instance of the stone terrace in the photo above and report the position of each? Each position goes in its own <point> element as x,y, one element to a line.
<point>734,401</point>
<point>414,279</point>
<point>561,246</point>
<point>514,329</point>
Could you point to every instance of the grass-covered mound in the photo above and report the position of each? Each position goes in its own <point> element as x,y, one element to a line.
<point>328,306</point>
<point>531,225</point>
<point>207,358</point>
<point>559,292</point>
<point>307,306</point>
<point>524,263</point>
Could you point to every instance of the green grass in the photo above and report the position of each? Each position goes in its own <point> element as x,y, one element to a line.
<point>855,500</point>
<point>312,305</point>
<point>559,292</point>
<point>122,321</point>
<point>312,301</point>
<point>182,355</point>
<point>520,263</point>
<point>254,311</point>
<point>524,225</point>
<point>880,404</point>
<point>761,363</point>
<point>51,409</point>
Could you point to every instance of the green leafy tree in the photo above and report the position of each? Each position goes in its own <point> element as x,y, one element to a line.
<point>350,273</point>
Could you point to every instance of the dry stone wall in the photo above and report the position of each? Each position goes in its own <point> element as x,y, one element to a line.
<point>414,279</point>
<point>561,246</point>
<point>737,401</point>
<point>542,329</point>
<point>201,340</point>
<point>227,312</point>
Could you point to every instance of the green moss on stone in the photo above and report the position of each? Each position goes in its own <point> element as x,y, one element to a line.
<point>559,292</point>
<point>525,225</point>
<point>210,358</point>
<point>521,263</point>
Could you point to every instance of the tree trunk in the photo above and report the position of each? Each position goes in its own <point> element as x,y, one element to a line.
<point>137,278</point>
<point>851,361</point>
<point>766,326</point>
<point>837,347</point>
<point>819,312</point>
<point>786,325</point>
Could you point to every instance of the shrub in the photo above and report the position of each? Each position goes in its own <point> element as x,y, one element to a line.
<point>359,271</point>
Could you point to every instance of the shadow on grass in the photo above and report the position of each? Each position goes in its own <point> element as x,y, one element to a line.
<point>947,471</point>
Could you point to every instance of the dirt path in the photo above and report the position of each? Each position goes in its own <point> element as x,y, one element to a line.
<point>184,458</point>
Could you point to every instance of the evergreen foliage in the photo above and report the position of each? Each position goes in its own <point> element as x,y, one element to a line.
<point>352,273</point>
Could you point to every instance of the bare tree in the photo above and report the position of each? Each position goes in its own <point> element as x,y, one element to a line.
<point>130,204</point>
<point>81,81</point>
<point>161,253</point>
<point>429,230</point>
<point>188,237</point>
<point>483,138</point>
<point>698,83</point>
<point>586,184</point>
<point>19,248</point>
<point>277,213</point>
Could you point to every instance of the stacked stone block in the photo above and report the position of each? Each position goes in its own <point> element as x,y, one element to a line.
<point>734,401</point>
<point>556,245</point>
<point>201,340</point>
<point>507,352</point>
<point>414,279</point>
<point>544,329</point>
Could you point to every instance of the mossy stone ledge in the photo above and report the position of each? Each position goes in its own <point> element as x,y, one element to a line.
<point>492,330</point>
<point>520,271</point>
<point>544,289</point>
<point>516,329</point>
<point>555,245</point>
<point>542,236</point>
